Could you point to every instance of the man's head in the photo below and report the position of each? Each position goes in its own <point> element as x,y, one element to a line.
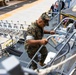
<point>56,4</point>
<point>43,20</point>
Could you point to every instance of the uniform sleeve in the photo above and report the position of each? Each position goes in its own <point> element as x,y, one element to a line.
<point>31,33</point>
<point>29,37</point>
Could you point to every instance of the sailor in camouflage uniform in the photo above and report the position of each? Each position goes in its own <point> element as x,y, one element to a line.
<point>34,39</point>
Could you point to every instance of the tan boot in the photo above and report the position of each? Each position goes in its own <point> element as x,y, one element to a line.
<point>42,64</point>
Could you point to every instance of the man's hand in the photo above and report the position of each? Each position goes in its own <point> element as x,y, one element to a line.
<point>52,32</point>
<point>43,41</point>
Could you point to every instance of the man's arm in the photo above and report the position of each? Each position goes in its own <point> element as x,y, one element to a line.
<point>36,42</point>
<point>49,32</point>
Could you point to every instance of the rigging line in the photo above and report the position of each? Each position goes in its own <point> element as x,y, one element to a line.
<point>47,70</point>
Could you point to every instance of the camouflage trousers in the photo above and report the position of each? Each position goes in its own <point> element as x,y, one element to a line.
<point>43,53</point>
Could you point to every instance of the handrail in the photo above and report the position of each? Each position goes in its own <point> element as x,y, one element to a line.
<point>43,45</point>
<point>63,53</point>
<point>50,63</point>
<point>39,50</point>
<point>55,56</point>
<point>62,21</point>
<point>55,13</point>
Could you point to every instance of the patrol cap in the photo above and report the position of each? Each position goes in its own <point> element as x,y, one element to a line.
<point>45,18</point>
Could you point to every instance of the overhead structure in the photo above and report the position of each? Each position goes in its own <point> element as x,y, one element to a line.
<point>70,12</point>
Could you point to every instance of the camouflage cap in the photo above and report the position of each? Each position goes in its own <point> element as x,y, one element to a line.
<point>45,18</point>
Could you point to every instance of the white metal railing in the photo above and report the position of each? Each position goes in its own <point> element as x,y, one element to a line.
<point>13,29</point>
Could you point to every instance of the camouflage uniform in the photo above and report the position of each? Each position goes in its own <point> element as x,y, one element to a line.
<point>37,33</point>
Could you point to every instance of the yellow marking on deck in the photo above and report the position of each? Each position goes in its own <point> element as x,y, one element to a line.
<point>24,7</point>
<point>5,16</point>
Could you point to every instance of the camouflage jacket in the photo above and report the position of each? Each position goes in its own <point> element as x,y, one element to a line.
<point>36,32</point>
